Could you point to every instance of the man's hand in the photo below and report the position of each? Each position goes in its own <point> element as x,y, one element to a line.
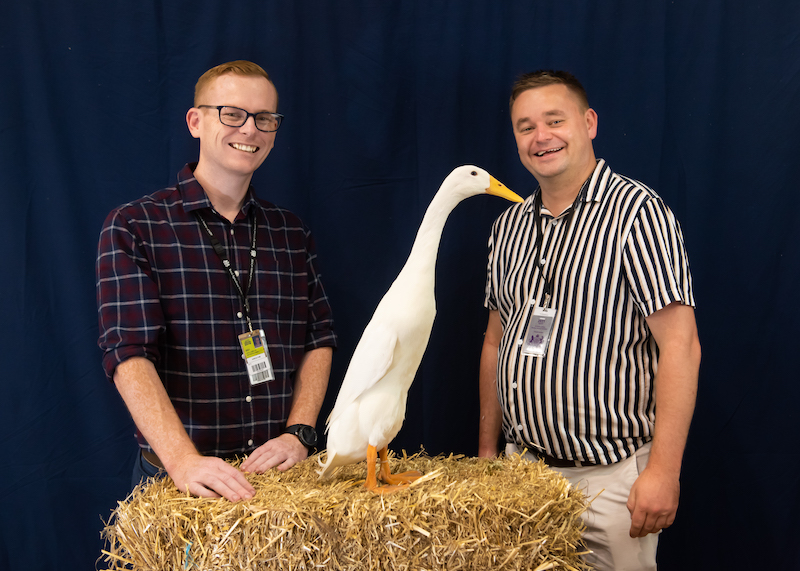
<point>310,383</point>
<point>653,502</point>
<point>282,452</point>
<point>210,477</point>
<point>152,411</point>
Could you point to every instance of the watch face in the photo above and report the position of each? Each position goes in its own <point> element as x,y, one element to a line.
<point>307,435</point>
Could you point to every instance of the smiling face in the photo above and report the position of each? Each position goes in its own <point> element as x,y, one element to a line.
<point>232,151</point>
<point>554,135</point>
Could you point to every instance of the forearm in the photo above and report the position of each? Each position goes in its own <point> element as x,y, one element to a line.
<point>310,385</point>
<point>490,412</point>
<point>675,332</point>
<point>143,392</point>
<point>654,496</point>
<point>675,393</point>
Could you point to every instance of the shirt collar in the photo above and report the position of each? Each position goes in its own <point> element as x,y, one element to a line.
<point>593,188</point>
<point>195,198</point>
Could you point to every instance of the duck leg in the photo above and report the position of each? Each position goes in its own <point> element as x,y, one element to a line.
<point>395,479</point>
<point>371,482</point>
<point>392,482</point>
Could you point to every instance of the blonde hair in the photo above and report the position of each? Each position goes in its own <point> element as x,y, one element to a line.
<point>238,67</point>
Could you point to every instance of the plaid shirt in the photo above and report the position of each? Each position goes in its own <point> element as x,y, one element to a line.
<point>163,294</point>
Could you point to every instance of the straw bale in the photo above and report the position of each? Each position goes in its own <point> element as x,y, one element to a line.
<point>463,514</point>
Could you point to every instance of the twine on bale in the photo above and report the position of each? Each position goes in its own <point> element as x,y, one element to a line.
<point>464,513</point>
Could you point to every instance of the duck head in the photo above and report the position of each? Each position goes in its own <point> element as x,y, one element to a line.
<point>469,180</point>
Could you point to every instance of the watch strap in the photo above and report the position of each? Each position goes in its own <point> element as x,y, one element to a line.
<point>298,429</point>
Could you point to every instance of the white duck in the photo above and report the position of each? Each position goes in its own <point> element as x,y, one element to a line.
<point>371,404</point>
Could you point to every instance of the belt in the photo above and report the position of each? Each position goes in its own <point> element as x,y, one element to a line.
<point>534,454</point>
<point>152,458</point>
<point>559,462</point>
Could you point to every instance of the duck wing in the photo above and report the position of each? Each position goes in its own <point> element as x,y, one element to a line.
<point>371,360</point>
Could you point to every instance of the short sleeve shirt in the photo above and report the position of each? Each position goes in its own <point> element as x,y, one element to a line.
<point>613,262</point>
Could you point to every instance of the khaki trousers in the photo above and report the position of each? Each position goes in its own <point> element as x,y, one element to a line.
<point>608,520</point>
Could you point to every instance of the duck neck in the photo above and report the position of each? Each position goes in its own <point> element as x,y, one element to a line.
<point>422,260</point>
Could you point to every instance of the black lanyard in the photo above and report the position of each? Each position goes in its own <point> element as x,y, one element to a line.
<point>227,263</point>
<point>537,218</point>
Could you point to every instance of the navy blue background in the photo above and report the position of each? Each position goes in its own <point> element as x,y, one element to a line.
<point>382,99</point>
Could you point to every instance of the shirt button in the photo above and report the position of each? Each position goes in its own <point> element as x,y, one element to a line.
<point>248,398</point>
<point>236,272</point>
<point>519,427</point>
<point>543,261</point>
<point>513,385</point>
<point>249,442</point>
<point>238,314</point>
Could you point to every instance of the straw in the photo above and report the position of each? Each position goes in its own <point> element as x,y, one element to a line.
<point>463,514</point>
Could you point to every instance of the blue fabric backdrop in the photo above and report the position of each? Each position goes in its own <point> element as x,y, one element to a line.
<point>382,100</point>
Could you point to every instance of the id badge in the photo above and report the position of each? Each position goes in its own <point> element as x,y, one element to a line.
<point>256,356</point>
<point>537,338</point>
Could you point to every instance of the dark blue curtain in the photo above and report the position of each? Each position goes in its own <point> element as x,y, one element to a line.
<point>382,99</point>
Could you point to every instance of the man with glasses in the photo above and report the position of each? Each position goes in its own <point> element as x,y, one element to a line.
<point>214,323</point>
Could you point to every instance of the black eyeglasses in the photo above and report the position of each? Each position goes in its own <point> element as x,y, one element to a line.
<point>235,117</point>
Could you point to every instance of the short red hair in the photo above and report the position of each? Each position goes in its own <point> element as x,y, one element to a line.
<point>238,67</point>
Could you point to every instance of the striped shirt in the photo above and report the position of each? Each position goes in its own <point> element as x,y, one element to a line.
<point>163,294</point>
<point>617,259</point>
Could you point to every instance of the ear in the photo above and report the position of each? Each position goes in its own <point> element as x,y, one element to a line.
<point>591,122</point>
<point>193,118</point>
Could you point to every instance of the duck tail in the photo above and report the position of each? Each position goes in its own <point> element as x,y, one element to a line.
<point>326,467</point>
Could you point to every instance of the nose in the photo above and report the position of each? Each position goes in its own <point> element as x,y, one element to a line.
<point>543,133</point>
<point>249,126</point>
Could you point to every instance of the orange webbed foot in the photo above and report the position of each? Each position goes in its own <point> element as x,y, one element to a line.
<point>403,478</point>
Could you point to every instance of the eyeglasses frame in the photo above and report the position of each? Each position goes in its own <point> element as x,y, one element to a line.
<point>219,108</point>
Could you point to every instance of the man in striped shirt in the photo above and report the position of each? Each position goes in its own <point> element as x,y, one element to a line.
<point>188,273</point>
<point>591,354</point>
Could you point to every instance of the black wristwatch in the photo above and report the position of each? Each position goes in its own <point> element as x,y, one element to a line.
<point>305,434</point>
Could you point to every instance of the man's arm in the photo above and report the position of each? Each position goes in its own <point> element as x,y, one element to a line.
<point>152,411</point>
<point>310,385</point>
<point>491,414</point>
<point>653,499</point>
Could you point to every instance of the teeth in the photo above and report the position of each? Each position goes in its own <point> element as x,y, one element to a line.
<point>543,153</point>
<point>245,148</point>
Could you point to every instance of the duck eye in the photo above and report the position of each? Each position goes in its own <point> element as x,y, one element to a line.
<point>474,173</point>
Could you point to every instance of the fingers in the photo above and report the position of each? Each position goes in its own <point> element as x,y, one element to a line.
<point>650,525</point>
<point>640,526</point>
<point>638,518</point>
<point>281,453</point>
<point>232,484</point>
<point>282,459</point>
<point>643,522</point>
<point>197,489</point>
<point>209,477</point>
